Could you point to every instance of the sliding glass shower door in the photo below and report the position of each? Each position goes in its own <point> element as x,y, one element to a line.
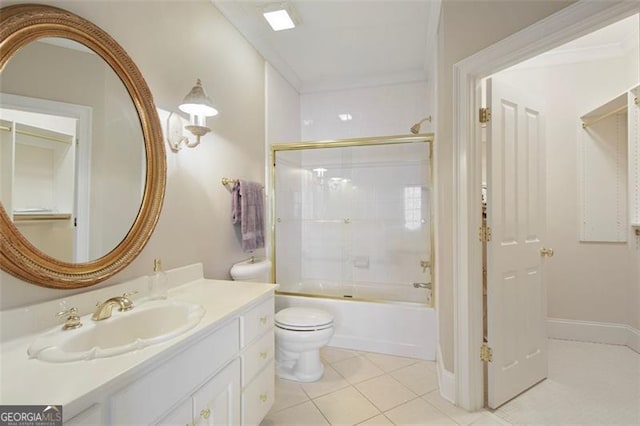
<point>354,220</point>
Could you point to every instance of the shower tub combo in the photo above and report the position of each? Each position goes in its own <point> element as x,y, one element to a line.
<point>352,235</point>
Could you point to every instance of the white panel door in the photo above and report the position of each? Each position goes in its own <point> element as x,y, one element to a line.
<point>516,303</point>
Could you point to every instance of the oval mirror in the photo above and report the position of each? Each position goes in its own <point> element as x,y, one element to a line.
<point>82,164</point>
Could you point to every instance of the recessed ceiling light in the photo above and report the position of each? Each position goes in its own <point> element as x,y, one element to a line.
<point>279,19</point>
<point>345,117</point>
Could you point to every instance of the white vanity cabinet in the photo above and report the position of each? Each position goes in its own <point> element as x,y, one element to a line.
<point>224,378</point>
<point>217,402</point>
<point>164,392</point>
<point>91,416</point>
<point>258,375</point>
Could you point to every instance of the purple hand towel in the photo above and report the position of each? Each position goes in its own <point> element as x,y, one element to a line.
<point>247,210</point>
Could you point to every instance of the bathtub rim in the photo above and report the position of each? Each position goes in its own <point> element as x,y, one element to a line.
<point>357,299</point>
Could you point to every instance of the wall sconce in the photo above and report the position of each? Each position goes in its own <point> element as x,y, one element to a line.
<point>198,105</point>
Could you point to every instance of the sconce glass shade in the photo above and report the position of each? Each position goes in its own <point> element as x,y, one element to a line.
<point>198,105</point>
<point>197,102</point>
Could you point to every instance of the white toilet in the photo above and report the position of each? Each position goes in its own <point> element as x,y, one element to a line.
<point>300,332</point>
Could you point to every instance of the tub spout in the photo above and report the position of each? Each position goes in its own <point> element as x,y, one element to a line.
<point>422,285</point>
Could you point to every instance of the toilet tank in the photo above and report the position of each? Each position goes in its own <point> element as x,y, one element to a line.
<point>256,270</point>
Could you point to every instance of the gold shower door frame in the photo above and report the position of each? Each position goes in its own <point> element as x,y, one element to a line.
<point>348,143</point>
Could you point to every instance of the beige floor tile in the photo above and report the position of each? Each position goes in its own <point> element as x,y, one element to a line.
<point>331,381</point>
<point>431,366</point>
<point>346,407</point>
<point>304,414</point>
<point>288,394</point>
<point>459,415</point>
<point>417,377</point>
<point>418,412</point>
<point>331,354</point>
<point>487,418</point>
<point>357,369</point>
<point>380,420</point>
<point>385,392</point>
<point>389,362</point>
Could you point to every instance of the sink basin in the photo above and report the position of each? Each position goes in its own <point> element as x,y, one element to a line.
<point>147,324</point>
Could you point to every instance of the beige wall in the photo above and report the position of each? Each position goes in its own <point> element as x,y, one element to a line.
<point>587,281</point>
<point>466,28</point>
<point>173,43</point>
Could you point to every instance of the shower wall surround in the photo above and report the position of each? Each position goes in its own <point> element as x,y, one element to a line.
<point>375,111</point>
<point>354,221</point>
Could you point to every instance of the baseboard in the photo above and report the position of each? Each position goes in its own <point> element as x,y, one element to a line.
<point>634,339</point>
<point>597,332</point>
<point>446,379</point>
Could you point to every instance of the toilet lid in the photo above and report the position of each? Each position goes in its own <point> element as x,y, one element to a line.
<point>303,319</point>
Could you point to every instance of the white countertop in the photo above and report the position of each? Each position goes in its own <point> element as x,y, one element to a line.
<point>27,381</point>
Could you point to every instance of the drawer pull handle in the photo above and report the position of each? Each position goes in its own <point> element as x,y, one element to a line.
<point>263,354</point>
<point>263,397</point>
<point>263,319</point>
<point>205,413</point>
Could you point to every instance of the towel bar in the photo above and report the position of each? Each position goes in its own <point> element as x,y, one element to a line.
<point>226,181</point>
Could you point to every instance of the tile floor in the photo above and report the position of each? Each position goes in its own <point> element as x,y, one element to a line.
<point>369,389</point>
<point>588,383</point>
<point>374,389</point>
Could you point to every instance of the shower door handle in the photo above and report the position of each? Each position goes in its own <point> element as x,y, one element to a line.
<point>422,285</point>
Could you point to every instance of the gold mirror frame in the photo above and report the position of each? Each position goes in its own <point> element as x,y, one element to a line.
<point>20,25</point>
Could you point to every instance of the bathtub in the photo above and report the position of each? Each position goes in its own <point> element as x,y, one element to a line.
<point>394,328</point>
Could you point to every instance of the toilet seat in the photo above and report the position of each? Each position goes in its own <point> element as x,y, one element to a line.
<point>303,319</point>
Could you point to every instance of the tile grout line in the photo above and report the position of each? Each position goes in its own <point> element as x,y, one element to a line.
<point>349,384</point>
<point>320,411</point>
<point>438,409</point>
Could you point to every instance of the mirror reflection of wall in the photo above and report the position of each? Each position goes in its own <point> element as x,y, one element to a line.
<point>111,173</point>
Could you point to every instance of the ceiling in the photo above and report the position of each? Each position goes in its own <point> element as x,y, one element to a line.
<point>339,44</point>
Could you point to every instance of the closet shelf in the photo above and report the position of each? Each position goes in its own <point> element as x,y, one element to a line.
<point>48,135</point>
<point>33,217</point>
<point>614,106</point>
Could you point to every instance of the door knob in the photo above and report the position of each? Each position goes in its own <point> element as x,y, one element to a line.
<point>205,413</point>
<point>546,252</point>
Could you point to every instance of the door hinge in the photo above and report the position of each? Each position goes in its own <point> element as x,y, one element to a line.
<point>485,115</point>
<point>486,353</point>
<point>484,234</point>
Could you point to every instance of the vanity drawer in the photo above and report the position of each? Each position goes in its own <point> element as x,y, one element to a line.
<point>257,356</point>
<point>146,398</point>
<point>256,321</point>
<point>257,398</point>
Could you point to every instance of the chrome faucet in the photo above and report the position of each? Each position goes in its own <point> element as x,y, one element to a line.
<point>103,310</point>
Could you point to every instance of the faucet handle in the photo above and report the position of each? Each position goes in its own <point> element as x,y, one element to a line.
<point>130,293</point>
<point>126,302</point>
<point>70,311</point>
<point>73,319</point>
